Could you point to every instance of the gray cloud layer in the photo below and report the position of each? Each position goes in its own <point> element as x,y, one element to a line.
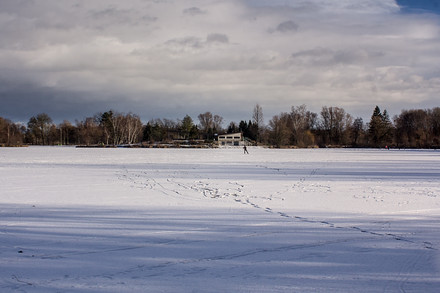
<point>169,58</point>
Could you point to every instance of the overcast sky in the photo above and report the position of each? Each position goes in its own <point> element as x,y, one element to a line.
<point>167,58</point>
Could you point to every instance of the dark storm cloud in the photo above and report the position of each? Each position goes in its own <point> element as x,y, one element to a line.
<point>22,101</point>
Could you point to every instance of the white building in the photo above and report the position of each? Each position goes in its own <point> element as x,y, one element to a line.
<point>230,139</point>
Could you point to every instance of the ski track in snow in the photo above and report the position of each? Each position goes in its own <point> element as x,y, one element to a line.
<point>237,193</point>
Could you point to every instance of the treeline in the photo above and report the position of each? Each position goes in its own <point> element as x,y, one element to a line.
<point>108,128</point>
<point>332,127</point>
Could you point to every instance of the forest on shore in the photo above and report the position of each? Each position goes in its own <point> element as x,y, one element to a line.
<point>332,127</point>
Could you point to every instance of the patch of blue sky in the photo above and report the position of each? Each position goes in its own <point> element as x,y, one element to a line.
<point>419,6</point>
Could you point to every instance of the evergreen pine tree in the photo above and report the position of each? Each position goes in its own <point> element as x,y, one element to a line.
<point>380,128</point>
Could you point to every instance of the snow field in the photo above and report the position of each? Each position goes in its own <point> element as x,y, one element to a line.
<point>216,220</point>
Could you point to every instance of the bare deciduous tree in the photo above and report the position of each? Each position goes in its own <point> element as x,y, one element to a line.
<point>206,121</point>
<point>210,123</point>
<point>258,121</point>
<point>89,131</point>
<point>334,125</point>
<point>279,130</point>
<point>132,128</point>
<point>10,133</point>
<point>39,127</point>
<point>301,123</point>
<point>217,123</point>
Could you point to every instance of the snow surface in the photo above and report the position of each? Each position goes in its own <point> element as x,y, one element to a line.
<point>216,220</point>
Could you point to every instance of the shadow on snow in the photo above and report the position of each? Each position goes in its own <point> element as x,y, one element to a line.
<point>92,249</point>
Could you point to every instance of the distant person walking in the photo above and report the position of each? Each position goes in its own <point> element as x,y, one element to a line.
<point>245,150</point>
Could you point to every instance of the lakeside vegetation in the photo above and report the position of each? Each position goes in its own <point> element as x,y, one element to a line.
<point>332,127</point>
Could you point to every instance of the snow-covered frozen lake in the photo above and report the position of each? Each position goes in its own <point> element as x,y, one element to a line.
<point>216,220</point>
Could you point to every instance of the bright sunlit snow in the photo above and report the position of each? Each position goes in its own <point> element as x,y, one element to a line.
<point>216,220</point>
